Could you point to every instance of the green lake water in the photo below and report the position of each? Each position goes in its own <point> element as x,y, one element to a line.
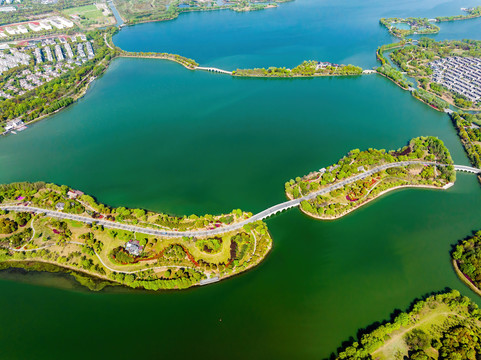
<point>152,134</point>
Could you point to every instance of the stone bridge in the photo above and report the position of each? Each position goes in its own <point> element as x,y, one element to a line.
<point>468,169</point>
<point>213,69</point>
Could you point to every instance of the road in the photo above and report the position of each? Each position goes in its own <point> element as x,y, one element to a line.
<point>232,227</point>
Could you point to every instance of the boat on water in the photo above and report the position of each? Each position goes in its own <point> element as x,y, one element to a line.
<point>21,128</point>
<point>14,132</point>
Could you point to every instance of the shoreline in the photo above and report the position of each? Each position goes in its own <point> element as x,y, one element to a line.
<point>463,278</point>
<point>318,217</point>
<point>71,270</point>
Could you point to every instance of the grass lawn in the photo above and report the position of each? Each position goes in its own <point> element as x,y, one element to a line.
<point>88,15</point>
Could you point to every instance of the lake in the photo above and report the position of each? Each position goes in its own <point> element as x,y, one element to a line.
<point>152,134</point>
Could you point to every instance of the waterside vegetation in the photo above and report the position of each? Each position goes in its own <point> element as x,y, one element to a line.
<point>471,13</point>
<point>349,197</point>
<point>414,59</point>
<point>119,256</point>
<point>306,69</point>
<point>443,326</point>
<point>467,261</point>
<point>134,12</point>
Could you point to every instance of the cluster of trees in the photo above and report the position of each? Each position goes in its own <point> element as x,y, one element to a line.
<point>306,69</point>
<point>456,338</point>
<point>181,279</point>
<point>468,127</point>
<point>430,99</point>
<point>8,226</point>
<point>395,75</point>
<point>211,245</point>
<point>468,256</point>
<point>416,26</point>
<point>119,255</point>
<point>18,239</point>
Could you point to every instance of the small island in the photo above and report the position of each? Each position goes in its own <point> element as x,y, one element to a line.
<point>443,326</point>
<point>467,261</point>
<point>362,176</point>
<point>410,26</point>
<point>306,69</point>
<point>54,228</point>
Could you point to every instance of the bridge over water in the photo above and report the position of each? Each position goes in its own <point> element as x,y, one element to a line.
<point>213,69</point>
<point>260,216</point>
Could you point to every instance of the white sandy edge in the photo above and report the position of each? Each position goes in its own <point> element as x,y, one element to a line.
<point>447,186</point>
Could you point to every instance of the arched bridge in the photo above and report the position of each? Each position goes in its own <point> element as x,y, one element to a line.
<point>260,216</point>
<point>467,169</point>
<point>213,69</point>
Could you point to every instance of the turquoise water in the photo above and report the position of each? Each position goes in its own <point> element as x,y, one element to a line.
<point>152,134</point>
<point>346,32</point>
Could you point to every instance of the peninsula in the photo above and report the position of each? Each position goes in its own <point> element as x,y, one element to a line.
<point>362,176</point>
<point>64,228</point>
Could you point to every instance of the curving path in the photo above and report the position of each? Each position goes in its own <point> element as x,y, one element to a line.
<point>260,216</point>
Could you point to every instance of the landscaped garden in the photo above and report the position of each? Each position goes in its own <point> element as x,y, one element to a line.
<point>347,196</point>
<point>116,256</point>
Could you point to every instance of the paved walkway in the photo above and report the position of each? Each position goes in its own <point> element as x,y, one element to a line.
<point>260,216</point>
